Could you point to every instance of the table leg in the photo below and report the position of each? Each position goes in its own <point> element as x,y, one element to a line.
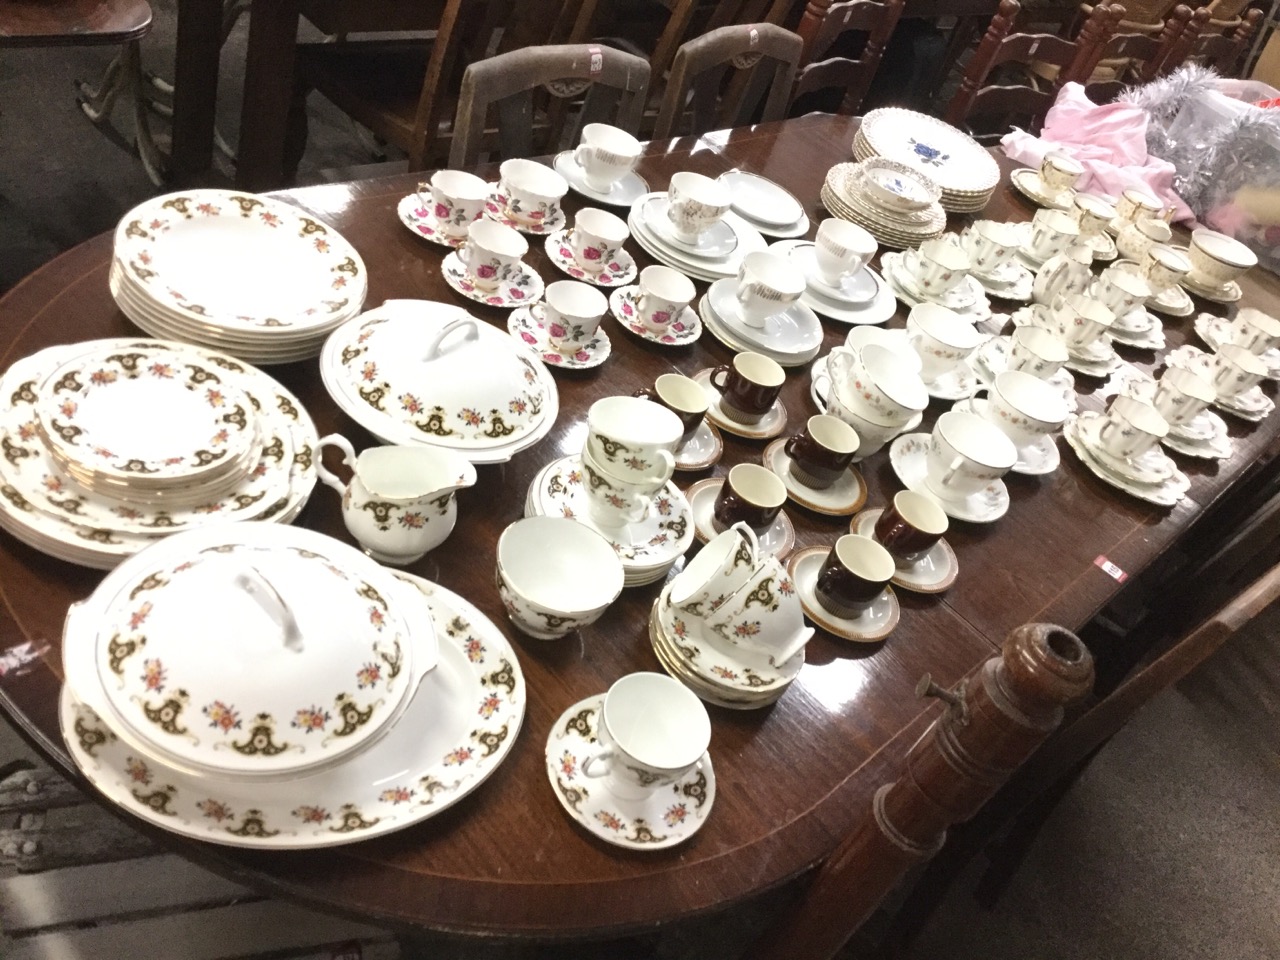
<point>268,89</point>
<point>195,89</point>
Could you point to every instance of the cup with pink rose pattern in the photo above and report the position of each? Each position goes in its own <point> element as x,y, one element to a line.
<point>571,314</point>
<point>457,198</point>
<point>596,241</point>
<point>491,253</point>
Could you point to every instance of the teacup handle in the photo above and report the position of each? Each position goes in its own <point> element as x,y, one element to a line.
<point>605,757</point>
<point>956,464</point>
<point>463,251</point>
<point>819,393</point>
<point>744,530</point>
<point>579,154</point>
<point>349,458</point>
<point>976,396</point>
<point>467,322</point>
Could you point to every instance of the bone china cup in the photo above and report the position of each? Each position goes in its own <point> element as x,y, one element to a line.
<point>1081,320</point>
<point>1024,407</point>
<point>1137,238</point>
<point>606,155</point>
<point>717,572</point>
<point>941,337</point>
<point>752,495</point>
<point>533,190</point>
<point>1052,231</point>
<point>611,502</point>
<point>634,440</point>
<point>1092,214</point>
<point>652,731</point>
<point>748,386</point>
<point>1120,290</point>
<point>880,380</point>
<point>767,284</point>
<point>855,573</point>
<point>664,295</point>
<point>457,198</point>
<point>682,396</point>
<point>1182,393</point>
<point>764,620</point>
<point>695,203</point>
<point>966,453</point>
<point>571,313</point>
<point>1059,171</point>
<point>1217,259</point>
<point>1135,205</point>
<point>1236,370</point>
<point>1256,331</point>
<point>910,526</point>
<point>1036,351</point>
<point>990,245</point>
<point>938,265</point>
<point>841,248</point>
<point>1165,266</point>
<point>822,452</point>
<point>596,239</point>
<point>491,252</point>
<point>1131,428</point>
<point>556,575</point>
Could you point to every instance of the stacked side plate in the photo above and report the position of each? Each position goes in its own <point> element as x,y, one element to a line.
<point>846,195</point>
<point>247,275</point>
<point>791,337</point>
<point>966,172</point>
<point>111,445</point>
<point>717,254</point>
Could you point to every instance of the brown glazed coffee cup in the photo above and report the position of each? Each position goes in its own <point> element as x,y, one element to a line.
<point>682,396</point>
<point>910,526</point>
<point>855,572</point>
<point>751,495</point>
<point>748,386</point>
<point>823,452</point>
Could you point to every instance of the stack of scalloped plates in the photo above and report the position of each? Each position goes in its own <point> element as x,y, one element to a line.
<point>962,167</point>
<point>247,275</point>
<point>847,196</point>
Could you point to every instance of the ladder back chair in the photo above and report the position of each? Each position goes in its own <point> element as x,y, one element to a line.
<point>1030,100</point>
<point>509,80</point>
<point>1141,57</point>
<point>700,67</point>
<point>1222,49</point>
<point>877,20</point>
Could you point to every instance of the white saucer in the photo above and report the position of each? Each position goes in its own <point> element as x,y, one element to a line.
<point>666,816</point>
<point>1205,437</point>
<point>1253,405</point>
<point>1034,460</point>
<point>1103,246</point>
<point>1228,293</point>
<point>760,199</point>
<point>979,310</point>
<point>777,541</point>
<point>622,194</point>
<point>702,450</point>
<point>685,329</point>
<point>872,625</point>
<point>1166,494</point>
<point>768,427</point>
<point>959,298</point>
<point>1019,288</point>
<point>845,496</point>
<point>907,455</point>
<point>878,310</point>
<point>859,288</point>
<point>1027,182</point>
<point>522,291</point>
<point>712,323</point>
<point>416,214</point>
<point>935,572</point>
<point>1096,359</point>
<point>1150,338</point>
<point>495,208</point>
<point>1152,467</point>
<point>958,382</point>
<point>621,271</point>
<point>797,229</point>
<point>795,330</point>
<point>1172,301</point>
<point>525,326</point>
<point>715,243</point>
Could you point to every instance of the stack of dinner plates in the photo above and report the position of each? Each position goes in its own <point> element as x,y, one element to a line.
<point>111,445</point>
<point>904,217</point>
<point>248,275</point>
<point>962,167</point>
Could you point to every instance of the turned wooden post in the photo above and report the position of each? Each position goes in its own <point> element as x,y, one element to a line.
<point>1170,40</point>
<point>1092,39</point>
<point>815,11</point>
<point>991,724</point>
<point>983,59</point>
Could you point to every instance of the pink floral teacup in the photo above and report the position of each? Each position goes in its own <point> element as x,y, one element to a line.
<point>491,253</point>
<point>597,239</point>
<point>456,199</point>
<point>571,314</point>
<point>664,295</point>
<point>533,190</point>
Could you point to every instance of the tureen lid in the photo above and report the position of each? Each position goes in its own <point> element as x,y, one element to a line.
<point>254,649</point>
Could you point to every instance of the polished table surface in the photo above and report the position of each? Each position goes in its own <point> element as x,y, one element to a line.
<point>791,778</point>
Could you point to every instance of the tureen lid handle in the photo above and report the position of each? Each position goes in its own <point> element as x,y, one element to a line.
<point>252,581</point>
<point>469,322</point>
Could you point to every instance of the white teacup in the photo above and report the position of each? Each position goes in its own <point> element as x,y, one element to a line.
<point>1036,351</point>
<point>767,284</point>
<point>596,240</point>
<point>1051,232</point>
<point>1236,369</point>
<point>1120,290</point>
<point>606,155</point>
<point>652,730</point>
<point>718,570</point>
<point>611,502</point>
<point>533,190</point>
<point>878,379</point>
<point>1256,331</point>
<point>990,245</point>
<point>966,453</point>
<point>1092,214</point>
<point>634,440</point>
<point>1136,205</point>
<point>556,575</point>
<point>664,294</point>
<point>841,248</point>
<point>1023,406</point>
<point>457,198</point>
<point>859,337</point>
<point>763,621</point>
<point>1063,274</point>
<point>941,337</point>
<point>1081,320</point>
<point>873,431</point>
<point>1165,267</point>
<point>1137,238</point>
<point>491,253</point>
<point>1131,428</point>
<point>695,204</point>
<point>571,313</point>
<point>1059,172</point>
<point>938,265</point>
<point>1181,394</point>
<point>1216,259</point>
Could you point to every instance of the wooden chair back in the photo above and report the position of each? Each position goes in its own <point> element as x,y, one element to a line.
<point>1003,103</point>
<point>877,20</point>
<point>1142,57</point>
<point>699,68</point>
<point>566,70</point>
<point>1222,49</point>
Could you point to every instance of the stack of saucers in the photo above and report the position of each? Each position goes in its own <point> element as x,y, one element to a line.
<point>248,275</point>
<point>731,627</point>
<point>718,250</point>
<point>966,172</point>
<point>114,444</point>
<point>760,310</point>
<point>896,204</point>
<point>175,709</point>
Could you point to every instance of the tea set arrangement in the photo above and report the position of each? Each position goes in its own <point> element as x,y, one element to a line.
<point>422,693</point>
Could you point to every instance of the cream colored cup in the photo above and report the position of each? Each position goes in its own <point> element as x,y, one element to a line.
<point>1165,267</point>
<point>1023,406</point>
<point>1131,428</point>
<point>1120,290</point>
<point>841,248</point>
<point>664,294</point>
<point>941,337</point>
<point>990,245</point>
<point>1136,204</point>
<point>695,203</point>
<point>1217,259</point>
<point>1236,370</point>
<point>606,155</point>
<point>1081,320</point>
<point>938,265</point>
<point>1137,238</point>
<point>596,240</point>
<point>1256,331</point>
<point>1036,351</point>
<point>767,284</point>
<point>457,199</point>
<point>533,190</point>
<point>1060,171</point>
<point>966,453</point>
<point>634,440</point>
<point>1051,232</point>
<point>1092,214</point>
<point>571,314</point>
<point>878,379</point>
<point>716,572</point>
<point>1181,394</point>
<point>491,253</point>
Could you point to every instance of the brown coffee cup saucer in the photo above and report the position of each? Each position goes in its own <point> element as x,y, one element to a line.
<point>702,450</point>
<point>933,573</point>
<point>872,626</point>
<point>770,425</point>
<point>778,541</point>
<point>841,499</point>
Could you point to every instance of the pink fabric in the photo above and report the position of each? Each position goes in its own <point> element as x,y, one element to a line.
<point>1109,140</point>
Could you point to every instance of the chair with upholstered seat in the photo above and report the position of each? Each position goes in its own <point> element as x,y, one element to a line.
<point>822,72</point>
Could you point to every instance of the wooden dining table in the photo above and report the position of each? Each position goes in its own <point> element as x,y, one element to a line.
<point>792,778</point>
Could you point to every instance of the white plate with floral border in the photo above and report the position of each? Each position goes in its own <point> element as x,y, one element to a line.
<point>525,326</point>
<point>908,455</point>
<point>525,287</point>
<point>461,725</point>
<point>621,271</point>
<point>417,214</point>
<point>667,816</point>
